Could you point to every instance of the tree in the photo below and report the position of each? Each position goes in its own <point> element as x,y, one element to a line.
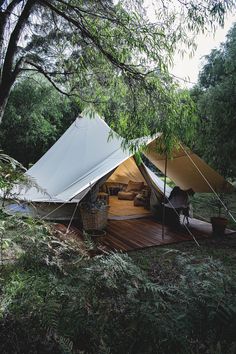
<point>215,95</point>
<point>81,45</point>
<point>35,118</point>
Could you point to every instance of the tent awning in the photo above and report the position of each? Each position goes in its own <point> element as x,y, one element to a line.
<point>187,170</point>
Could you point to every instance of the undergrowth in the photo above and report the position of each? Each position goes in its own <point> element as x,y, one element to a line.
<point>55,299</point>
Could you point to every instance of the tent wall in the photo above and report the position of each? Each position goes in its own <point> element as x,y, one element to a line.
<point>184,173</point>
<point>127,171</point>
<point>154,181</point>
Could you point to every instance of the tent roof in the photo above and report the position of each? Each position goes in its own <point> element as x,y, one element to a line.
<point>82,155</point>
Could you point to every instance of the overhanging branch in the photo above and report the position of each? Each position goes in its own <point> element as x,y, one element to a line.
<point>40,70</point>
<point>95,40</point>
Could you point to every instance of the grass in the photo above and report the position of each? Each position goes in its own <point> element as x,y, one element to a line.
<point>203,207</point>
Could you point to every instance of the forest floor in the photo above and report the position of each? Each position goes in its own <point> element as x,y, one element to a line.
<point>157,258</point>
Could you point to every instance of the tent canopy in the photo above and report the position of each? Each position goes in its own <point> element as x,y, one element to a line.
<point>187,170</point>
<point>86,153</point>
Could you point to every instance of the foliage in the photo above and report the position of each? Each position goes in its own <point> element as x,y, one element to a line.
<point>108,304</point>
<point>35,118</point>
<point>11,176</point>
<point>205,206</point>
<point>107,53</point>
<point>215,97</point>
<point>99,204</point>
<point>217,204</point>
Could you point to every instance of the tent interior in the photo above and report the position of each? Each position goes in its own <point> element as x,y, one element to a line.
<point>122,204</point>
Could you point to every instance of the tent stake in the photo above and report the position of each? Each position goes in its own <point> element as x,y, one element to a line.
<point>164,210</point>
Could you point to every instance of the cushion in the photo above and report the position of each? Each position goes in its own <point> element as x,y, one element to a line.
<point>134,186</point>
<point>126,195</point>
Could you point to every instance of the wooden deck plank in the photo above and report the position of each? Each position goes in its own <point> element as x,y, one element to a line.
<point>126,233</point>
<point>134,234</point>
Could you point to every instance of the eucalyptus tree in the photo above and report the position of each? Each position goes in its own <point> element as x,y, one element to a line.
<point>88,49</point>
<point>215,96</point>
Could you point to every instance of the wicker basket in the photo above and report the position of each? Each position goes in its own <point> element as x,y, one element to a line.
<point>96,235</point>
<point>94,218</point>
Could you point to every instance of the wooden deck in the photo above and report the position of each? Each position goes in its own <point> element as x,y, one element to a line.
<point>127,235</point>
<point>134,234</point>
<point>132,228</point>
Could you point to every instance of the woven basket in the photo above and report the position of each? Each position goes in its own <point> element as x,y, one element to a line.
<point>94,218</point>
<point>96,235</point>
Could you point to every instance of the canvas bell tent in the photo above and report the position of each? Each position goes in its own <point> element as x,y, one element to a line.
<point>89,153</point>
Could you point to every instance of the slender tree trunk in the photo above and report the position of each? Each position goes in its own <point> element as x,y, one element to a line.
<point>4,95</point>
<point>10,68</point>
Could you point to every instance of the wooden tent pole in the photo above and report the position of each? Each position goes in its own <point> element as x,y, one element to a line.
<point>164,209</point>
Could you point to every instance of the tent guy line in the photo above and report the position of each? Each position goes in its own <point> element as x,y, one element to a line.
<point>216,194</point>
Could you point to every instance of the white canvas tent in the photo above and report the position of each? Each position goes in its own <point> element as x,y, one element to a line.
<point>85,153</point>
<point>89,152</point>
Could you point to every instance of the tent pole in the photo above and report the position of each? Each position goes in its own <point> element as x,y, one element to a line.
<point>164,209</point>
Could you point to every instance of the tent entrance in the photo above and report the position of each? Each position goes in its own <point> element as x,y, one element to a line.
<point>120,208</point>
<point>125,209</point>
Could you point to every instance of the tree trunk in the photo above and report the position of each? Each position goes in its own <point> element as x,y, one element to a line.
<point>4,95</point>
<point>9,71</point>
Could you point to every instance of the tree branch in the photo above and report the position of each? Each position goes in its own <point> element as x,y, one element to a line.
<point>52,73</point>
<point>47,76</point>
<point>95,40</point>
<point>93,14</point>
<point>40,70</point>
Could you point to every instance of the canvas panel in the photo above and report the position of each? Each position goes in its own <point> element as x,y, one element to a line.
<point>155,181</point>
<point>83,154</point>
<point>184,171</point>
<point>127,171</point>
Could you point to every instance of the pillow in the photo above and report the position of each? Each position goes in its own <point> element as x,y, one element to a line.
<point>134,186</point>
<point>126,195</point>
